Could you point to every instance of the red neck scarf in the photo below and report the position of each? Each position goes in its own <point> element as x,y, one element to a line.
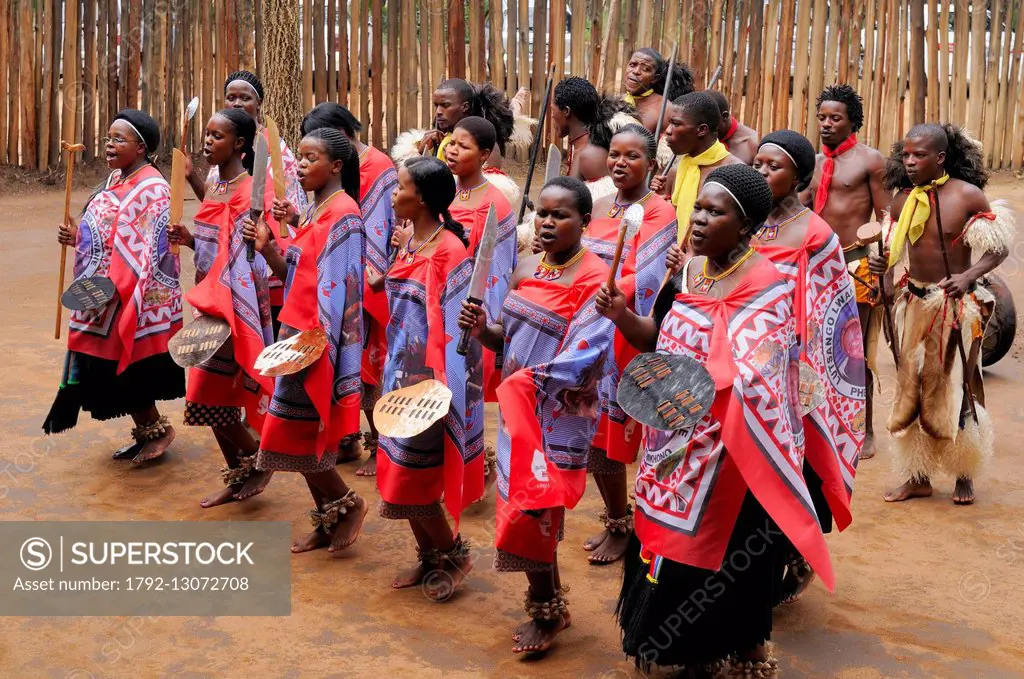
<point>733,126</point>
<point>828,168</point>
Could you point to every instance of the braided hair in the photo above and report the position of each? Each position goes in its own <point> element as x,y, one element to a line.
<point>846,95</point>
<point>245,129</point>
<point>964,158</point>
<point>338,147</point>
<point>246,76</point>
<point>331,114</point>
<point>485,101</point>
<point>594,110</point>
<point>682,76</point>
<point>749,189</point>
<point>650,143</point>
<point>436,186</point>
<point>584,201</point>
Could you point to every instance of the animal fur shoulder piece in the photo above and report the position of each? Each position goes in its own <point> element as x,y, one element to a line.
<point>888,225</point>
<point>507,186</point>
<point>992,232</point>
<point>600,188</point>
<point>405,145</point>
<point>522,133</point>
<point>524,233</point>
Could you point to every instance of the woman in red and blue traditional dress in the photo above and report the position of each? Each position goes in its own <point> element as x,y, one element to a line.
<point>229,287</point>
<point>715,499</point>
<point>631,154</point>
<point>313,409</point>
<point>117,361</point>
<point>426,287</point>
<point>377,183</point>
<point>466,154</point>
<point>244,91</point>
<point>555,346</point>
<point>806,250</point>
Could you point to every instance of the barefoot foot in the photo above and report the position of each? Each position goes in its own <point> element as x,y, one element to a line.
<point>867,451</point>
<point>346,531</point>
<point>799,576</point>
<point>911,489</point>
<point>221,497</point>
<point>369,467</point>
<point>129,452</point>
<point>536,636</point>
<point>440,585</point>
<point>155,448</point>
<point>315,540</point>
<point>963,493</point>
<point>254,485</point>
<point>611,550</point>
<point>595,541</point>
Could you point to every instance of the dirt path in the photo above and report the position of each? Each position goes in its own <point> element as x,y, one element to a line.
<point>925,589</point>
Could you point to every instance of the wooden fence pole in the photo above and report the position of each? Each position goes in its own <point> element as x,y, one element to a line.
<point>918,91</point>
<point>1013,85</point>
<point>26,61</point>
<point>70,72</point>
<point>377,67</point>
<point>424,88</point>
<point>394,31</point>
<point>456,39</point>
<point>991,77</point>
<point>609,50</point>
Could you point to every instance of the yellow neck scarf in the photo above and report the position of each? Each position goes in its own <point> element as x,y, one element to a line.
<point>442,146</point>
<point>631,99</point>
<point>684,191</point>
<point>913,218</point>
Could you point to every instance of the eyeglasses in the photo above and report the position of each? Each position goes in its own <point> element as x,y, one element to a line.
<point>117,141</point>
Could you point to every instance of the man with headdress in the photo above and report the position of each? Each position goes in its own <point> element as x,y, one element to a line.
<point>737,137</point>
<point>847,193</point>
<point>938,420</point>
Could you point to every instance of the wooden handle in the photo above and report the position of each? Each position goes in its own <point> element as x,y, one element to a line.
<point>60,291</point>
<point>618,255</point>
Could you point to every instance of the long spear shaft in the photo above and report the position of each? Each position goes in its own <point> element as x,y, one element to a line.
<point>968,394</point>
<point>664,103</point>
<point>536,144</point>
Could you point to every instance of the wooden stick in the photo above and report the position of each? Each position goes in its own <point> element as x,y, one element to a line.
<point>890,326</point>
<point>664,103</point>
<point>619,244</point>
<point>71,150</point>
<point>536,143</point>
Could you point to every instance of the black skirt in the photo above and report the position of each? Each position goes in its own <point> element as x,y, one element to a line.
<point>693,616</point>
<point>93,385</point>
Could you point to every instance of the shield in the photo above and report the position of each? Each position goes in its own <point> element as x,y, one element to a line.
<point>291,355</point>
<point>198,341</point>
<point>88,294</point>
<point>1002,326</point>
<point>812,392</point>
<point>404,413</point>
<point>666,391</point>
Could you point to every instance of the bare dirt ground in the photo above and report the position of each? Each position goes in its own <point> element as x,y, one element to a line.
<point>925,589</point>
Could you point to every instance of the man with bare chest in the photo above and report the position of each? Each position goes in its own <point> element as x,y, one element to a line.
<point>741,140</point>
<point>948,236</point>
<point>847,192</point>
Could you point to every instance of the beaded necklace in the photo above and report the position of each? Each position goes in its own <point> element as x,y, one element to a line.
<point>618,208</point>
<point>409,255</point>
<point>703,281</point>
<point>222,186</point>
<point>464,194</point>
<point>552,272</point>
<point>771,231</point>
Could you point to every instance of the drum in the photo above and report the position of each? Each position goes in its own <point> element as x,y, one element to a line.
<point>1002,326</point>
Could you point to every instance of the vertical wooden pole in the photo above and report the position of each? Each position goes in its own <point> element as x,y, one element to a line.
<point>756,64</point>
<point>27,79</point>
<point>886,132</point>
<point>932,52</point>
<point>5,29</point>
<point>918,91</point>
<point>643,35</point>
<point>629,44</point>
<point>257,20</point>
<point>699,62</point>
<point>395,12</point>
<point>523,46</point>
<point>557,40</point>
<point>1017,149</point>
<point>941,20</point>
<point>870,55</point>
<point>438,60</point>
<point>741,97</point>
<point>540,57</point>
<point>320,51</point>
<point>456,39</point>
<point>1001,46</point>
<point>211,98</point>
<point>70,72</point>
<point>221,64</point>
<point>798,119</point>
<point>1010,91</point>
<point>715,55</point>
<point>476,48</point>
<point>610,49</point>
<point>376,62</point>
<point>14,40</point>
<point>407,66</point>
<point>976,89</point>
<point>307,54</point>
<point>364,69</point>
<point>832,43</point>
<point>816,74</point>
<point>988,136</point>
<point>343,55</point>
<point>578,38</point>
<point>497,66</point>
<point>670,35</point>
<point>184,52</point>
<point>332,46</point>
<point>422,82</point>
<point>961,44</point>
<point>45,81</point>
<point>873,125</point>
<point>512,75</point>
<point>784,59</point>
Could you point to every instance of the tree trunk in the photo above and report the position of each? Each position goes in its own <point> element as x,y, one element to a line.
<point>280,67</point>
